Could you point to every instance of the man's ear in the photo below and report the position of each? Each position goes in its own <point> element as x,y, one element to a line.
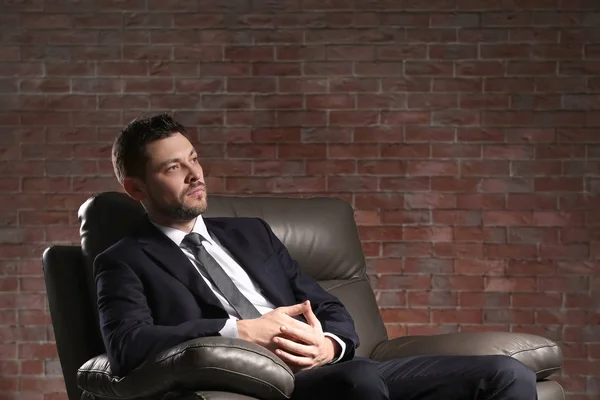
<point>135,188</point>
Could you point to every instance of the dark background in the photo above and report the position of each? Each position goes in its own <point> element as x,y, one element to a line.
<point>464,133</point>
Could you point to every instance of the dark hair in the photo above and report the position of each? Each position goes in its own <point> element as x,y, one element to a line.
<point>129,148</point>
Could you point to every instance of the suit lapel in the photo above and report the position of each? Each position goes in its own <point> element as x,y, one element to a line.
<point>169,257</point>
<point>237,245</point>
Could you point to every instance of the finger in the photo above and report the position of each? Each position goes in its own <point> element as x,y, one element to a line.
<point>290,322</point>
<point>299,335</point>
<point>293,347</point>
<point>292,311</point>
<point>311,318</point>
<point>299,361</point>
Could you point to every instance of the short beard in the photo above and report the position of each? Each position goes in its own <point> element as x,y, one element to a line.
<point>181,212</point>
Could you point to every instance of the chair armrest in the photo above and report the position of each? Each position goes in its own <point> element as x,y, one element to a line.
<point>542,356</point>
<point>210,363</point>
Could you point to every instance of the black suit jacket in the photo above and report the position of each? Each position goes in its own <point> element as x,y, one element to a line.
<point>151,298</point>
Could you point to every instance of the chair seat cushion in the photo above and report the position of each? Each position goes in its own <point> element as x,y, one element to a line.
<point>205,364</point>
<point>541,355</point>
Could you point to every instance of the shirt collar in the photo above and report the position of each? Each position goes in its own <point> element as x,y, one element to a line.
<point>177,235</point>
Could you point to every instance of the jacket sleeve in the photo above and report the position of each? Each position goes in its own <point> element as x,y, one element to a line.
<point>328,309</point>
<point>128,330</point>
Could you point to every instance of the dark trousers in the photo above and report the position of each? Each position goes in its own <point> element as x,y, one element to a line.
<point>419,378</point>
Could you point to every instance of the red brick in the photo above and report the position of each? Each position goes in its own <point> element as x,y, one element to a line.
<point>408,151</point>
<point>366,218</point>
<point>517,267</point>
<point>517,251</point>
<point>408,315</point>
<point>429,200</point>
<point>567,51</point>
<point>505,51</point>
<point>385,266</point>
<point>434,35</point>
<point>380,233</point>
<point>351,183</point>
<point>395,85</point>
<point>458,250</point>
<point>32,367</point>
<point>432,298</point>
<point>564,284</point>
<point>298,118</point>
<point>404,184</point>
<point>507,218</point>
<point>37,351</point>
<point>325,135</point>
<point>484,168</point>
<point>567,317</point>
<point>558,85</point>
<point>480,201</point>
<point>537,201</point>
<point>583,367</point>
<point>484,101</point>
<point>455,118</point>
<point>428,134</point>
<point>479,267</point>
<point>531,68</point>
<point>507,185</point>
<point>241,118</point>
<point>487,300</point>
<point>380,100</point>
<point>422,69</point>
<point>485,35</point>
<point>248,85</point>
<point>311,85</point>
<point>391,299</point>
<point>357,151</point>
<point>508,316</point>
<point>425,266</point>
<point>457,316</point>
<point>432,168</point>
<point>549,218</point>
<point>432,101</point>
<point>406,249</point>
<point>408,282</point>
<point>458,217</point>
<point>533,235</point>
<point>332,167</point>
<point>480,135</point>
<point>457,283</point>
<point>509,285</point>
<point>380,167</point>
<point>433,234</point>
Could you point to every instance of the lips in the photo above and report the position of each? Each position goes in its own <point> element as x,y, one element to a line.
<point>196,190</point>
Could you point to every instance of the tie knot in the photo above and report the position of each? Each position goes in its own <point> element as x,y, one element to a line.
<point>192,240</point>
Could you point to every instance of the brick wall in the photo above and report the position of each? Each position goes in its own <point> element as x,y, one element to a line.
<point>464,132</point>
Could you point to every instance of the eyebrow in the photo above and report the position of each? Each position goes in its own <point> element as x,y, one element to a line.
<point>172,160</point>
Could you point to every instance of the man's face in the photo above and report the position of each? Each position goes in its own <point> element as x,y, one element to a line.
<point>174,189</point>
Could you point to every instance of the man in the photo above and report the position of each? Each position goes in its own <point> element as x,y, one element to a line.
<point>182,276</point>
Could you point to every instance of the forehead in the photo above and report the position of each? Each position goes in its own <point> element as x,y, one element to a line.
<point>174,146</point>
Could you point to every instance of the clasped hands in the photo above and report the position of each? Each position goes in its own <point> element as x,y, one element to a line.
<point>300,345</point>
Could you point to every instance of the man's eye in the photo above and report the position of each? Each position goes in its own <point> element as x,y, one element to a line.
<point>172,168</point>
<point>195,160</point>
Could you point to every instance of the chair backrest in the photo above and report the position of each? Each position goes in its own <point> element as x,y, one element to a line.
<point>320,233</point>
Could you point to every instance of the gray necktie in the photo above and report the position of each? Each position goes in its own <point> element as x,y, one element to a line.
<point>219,277</point>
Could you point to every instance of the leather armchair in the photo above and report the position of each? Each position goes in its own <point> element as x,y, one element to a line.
<point>320,233</point>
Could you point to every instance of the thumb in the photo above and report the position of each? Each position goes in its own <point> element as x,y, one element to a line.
<point>311,318</point>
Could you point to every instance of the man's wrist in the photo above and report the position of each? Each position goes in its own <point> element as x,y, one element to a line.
<point>242,329</point>
<point>333,349</point>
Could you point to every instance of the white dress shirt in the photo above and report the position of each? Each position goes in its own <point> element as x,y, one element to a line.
<point>237,274</point>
